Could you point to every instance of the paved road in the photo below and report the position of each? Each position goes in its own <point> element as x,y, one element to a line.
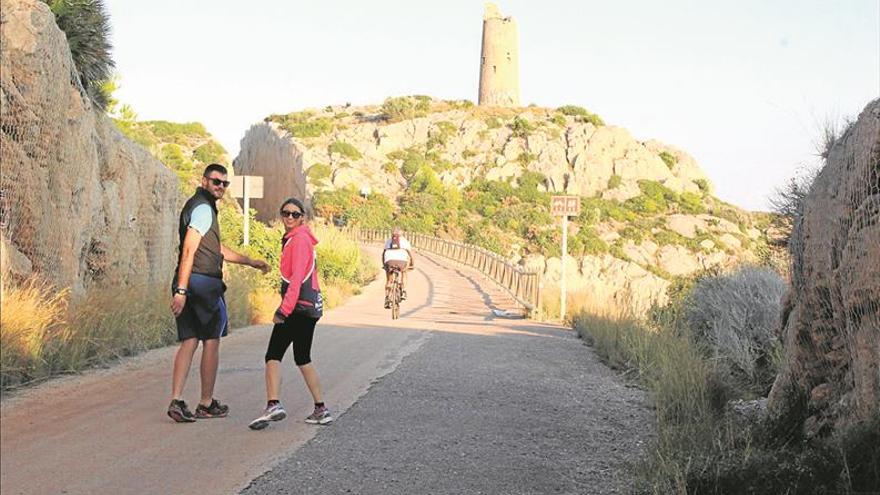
<point>445,400</point>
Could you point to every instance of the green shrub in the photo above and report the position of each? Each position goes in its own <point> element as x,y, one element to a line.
<point>468,154</point>
<point>559,119</point>
<point>614,181</point>
<point>317,173</point>
<point>493,122</point>
<point>525,158</point>
<point>390,168</point>
<point>521,127</point>
<point>86,26</point>
<point>691,203</point>
<point>405,107</point>
<point>344,149</point>
<point>164,129</point>
<point>702,184</point>
<point>210,152</point>
<point>669,159</point>
<point>587,243</point>
<point>581,114</point>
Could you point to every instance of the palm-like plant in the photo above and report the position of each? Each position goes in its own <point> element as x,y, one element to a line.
<point>87,26</point>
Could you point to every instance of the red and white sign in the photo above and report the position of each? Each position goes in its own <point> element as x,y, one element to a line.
<point>565,206</point>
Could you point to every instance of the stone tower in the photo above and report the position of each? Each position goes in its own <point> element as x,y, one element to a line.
<point>499,64</point>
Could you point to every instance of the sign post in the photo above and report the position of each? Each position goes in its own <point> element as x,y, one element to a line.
<point>246,187</point>
<point>564,206</point>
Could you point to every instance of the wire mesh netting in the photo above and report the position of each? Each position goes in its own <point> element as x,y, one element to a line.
<point>831,319</point>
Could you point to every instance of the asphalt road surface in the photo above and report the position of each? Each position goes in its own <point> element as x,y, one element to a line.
<point>448,399</point>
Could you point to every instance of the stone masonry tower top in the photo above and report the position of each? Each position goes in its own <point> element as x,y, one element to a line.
<point>499,64</point>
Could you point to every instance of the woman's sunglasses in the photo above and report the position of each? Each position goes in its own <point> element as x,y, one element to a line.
<point>219,182</point>
<point>291,214</point>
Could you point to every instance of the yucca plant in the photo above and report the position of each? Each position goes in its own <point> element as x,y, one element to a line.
<point>87,26</point>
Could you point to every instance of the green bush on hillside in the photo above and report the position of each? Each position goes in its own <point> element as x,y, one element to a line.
<point>521,127</point>
<point>210,152</point>
<point>405,107</point>
<point>669,159</point>
<point>581,114</point>
<point>344,149</point>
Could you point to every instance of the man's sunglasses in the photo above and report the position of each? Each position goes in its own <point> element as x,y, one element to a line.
<point>218,182</point>
<point>291,214</point>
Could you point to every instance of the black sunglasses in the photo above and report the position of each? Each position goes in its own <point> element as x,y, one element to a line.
<point>218,182</point>
<point>292,214</point>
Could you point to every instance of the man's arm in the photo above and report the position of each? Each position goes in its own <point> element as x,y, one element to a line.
<point>188,252</point>
<point>240,259</point>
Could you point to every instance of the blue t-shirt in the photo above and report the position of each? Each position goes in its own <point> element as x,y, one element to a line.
<point>201,219</point>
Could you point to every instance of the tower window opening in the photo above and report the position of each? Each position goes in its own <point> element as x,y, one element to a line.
<point>494,68</point>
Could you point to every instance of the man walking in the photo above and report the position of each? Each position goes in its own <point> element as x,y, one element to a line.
<point>197,301</point>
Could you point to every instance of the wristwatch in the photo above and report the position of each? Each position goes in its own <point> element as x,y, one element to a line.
<point>180,290</point>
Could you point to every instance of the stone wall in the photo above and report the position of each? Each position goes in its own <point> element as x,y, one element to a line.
<point>81,205</point>
<point>831,316</point>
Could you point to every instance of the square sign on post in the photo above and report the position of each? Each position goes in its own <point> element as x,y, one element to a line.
<point>246,187</point>
<point>564,206</point>
<point>569,206</point>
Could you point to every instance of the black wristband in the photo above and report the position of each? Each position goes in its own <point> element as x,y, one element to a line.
<point>180,290</point>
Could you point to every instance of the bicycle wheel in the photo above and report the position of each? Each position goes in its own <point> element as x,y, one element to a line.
<point>396,292</point>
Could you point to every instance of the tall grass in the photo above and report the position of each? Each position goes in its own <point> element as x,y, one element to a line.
<point>700,447</point>
<point>45,331</point>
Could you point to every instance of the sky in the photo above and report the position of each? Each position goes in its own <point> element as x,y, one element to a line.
<point>745,87</point>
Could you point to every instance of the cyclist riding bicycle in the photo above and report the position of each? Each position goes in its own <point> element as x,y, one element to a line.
<point>396,255</point>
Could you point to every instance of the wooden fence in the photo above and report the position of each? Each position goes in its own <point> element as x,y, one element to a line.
<point>524,287</point>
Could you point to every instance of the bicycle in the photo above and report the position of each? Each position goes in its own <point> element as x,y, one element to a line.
<point>394,296</point>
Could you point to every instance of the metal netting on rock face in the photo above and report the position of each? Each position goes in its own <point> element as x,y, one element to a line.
<point>80,205</point>
<point>831,319</point>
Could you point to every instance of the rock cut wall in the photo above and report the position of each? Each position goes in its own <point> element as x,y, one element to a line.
<point>81,205</point>
<point>831,317</point>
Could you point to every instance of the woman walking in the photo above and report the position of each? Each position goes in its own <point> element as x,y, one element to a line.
<point>301,307</point>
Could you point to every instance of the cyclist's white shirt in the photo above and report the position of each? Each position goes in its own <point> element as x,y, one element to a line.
<point>399,254</point>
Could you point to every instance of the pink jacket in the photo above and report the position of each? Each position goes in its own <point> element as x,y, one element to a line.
<point>297,258</point>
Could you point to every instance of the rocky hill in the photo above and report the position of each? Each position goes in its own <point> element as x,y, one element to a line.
<point>648,212</point>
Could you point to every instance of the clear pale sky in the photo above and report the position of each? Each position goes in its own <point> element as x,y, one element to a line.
<point>743,86</point>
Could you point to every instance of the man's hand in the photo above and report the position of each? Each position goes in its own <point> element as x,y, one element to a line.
<point>260,265</point>
<point>277,319</point>
<point>177,303</point>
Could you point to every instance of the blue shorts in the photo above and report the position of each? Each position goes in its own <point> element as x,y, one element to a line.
<point>204,315</point>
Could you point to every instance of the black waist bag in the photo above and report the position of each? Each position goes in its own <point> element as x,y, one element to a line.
<point>310,302</point>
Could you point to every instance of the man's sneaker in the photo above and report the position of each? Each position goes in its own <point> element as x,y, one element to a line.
<point>179,412</point>
<point>215,410</point>
<point>403,295</point>
<point>273,413</point>
<point>321,416</point>
<point>387,302</point>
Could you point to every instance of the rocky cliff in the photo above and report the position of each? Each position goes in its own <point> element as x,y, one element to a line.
<point>81,204</point>
<point>831,317</point>
<point>649,207</point>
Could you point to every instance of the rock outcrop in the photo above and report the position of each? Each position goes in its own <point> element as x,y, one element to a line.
<point>362,148</point>
<point>81,205</point>
<point>831,315</point>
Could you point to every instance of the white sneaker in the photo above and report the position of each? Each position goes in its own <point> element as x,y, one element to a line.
<point>274,413</point>
<point>321,416</point>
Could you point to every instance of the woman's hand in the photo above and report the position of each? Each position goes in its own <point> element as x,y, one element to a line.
<point>277,319</point>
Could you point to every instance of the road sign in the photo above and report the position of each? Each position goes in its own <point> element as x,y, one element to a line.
<point>568,206</point>
<point>564,206</point>
<point>254,186</point>
<point>246,187</point>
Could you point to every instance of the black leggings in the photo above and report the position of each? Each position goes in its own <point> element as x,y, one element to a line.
<point>296,329</point>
